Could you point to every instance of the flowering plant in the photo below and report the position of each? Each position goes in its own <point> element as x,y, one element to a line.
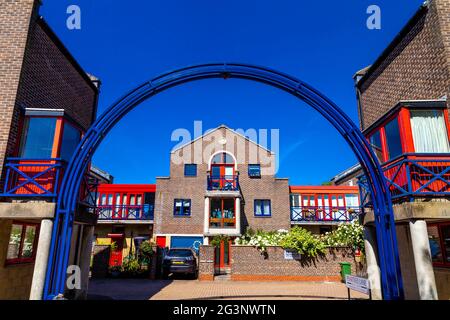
<point>347,234</point>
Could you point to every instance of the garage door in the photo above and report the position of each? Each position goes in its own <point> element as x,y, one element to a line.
<point>186,242</point>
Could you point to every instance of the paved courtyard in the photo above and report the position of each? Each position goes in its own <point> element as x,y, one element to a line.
<point>142,289</point>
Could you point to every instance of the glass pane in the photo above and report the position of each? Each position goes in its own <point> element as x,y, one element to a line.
<point>217,158</point>
<point>28,242</point>
<point>229,172</point>
<point>132,200</point>
<point>375,142</point>
<point>228,159</point>
<point>435,243</point>
<point>14,241</point>
<point>351,200</point>
<point>254,170</point>
<point>139,200</point>
<point>37,138</point>
<point>190,170</point>
<point>429,131</point>
<point>216,209</point>
<point>178,207</point>
<point>71,139</point>
<point>394,143</point>
<point>267,208</point>
<point>445,231</point>
<point>186,207</point>
<point>228,208</point>
<point>258,207</point>
<point>215,172</point>
<point>118,199</point>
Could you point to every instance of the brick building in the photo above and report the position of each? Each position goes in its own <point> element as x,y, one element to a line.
<point>403,111</point>
<point>47,102</point>
<point>223,183</point>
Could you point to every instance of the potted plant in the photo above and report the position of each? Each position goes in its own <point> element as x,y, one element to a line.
<point>115,271</point>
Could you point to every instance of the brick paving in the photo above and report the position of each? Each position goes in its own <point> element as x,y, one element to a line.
<point>141,289</point>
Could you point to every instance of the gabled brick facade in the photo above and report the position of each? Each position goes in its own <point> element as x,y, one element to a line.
<point>195,188</point>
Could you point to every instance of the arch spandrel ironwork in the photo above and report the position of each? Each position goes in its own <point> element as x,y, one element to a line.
<point>392,287</point>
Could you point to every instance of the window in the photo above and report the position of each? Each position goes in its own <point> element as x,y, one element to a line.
<point>439,238</point>
<point>223,158</point>
<point>70,140</point>
<point>182,208</point>
<point>254,170</point>
<point>22,243</point>
<point>295,200</point>
<point>429,131</point>
<point>222,213</point>
<point>375,142</point>
<point>262,208</point>
<point>37,138</point>
<point>393,141</point>
<point>352,200</point>
<point>190,170</point>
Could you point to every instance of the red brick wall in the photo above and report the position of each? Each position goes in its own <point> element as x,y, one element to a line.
<point>14,24</point>
<point>247,263</point>
<point>417,68</point>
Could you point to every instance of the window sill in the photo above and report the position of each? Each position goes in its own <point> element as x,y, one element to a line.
<point>262,216</point>
<point>19,262</point>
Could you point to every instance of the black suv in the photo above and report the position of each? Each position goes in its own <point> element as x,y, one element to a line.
<point>180,260</point>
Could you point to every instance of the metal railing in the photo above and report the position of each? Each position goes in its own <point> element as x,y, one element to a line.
<point>414,175</point>
<point>32,177</point>
<point>125,212</point>
<point>223,183</point>
<point>324,214</point>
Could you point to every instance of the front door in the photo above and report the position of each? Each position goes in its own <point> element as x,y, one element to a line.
<point>222,257</point>
<point>115,257</point>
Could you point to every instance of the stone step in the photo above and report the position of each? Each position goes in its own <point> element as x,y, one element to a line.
<point>223,277</point>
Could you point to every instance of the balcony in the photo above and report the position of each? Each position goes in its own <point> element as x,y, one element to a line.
<point>223,183</point>
<point>314,214</point>
<point>414,175</point>
<point>125,212</point>
<point>32,177</point>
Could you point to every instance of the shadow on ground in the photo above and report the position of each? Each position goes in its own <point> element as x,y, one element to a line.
<point>127,289</point>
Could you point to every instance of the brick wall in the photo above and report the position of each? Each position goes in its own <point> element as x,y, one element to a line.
<point>416,68</point>
<point>14,24</point>
<point>247,263</point>
<point>206,263</point>
<point>177,186</point>
<point>15,280</point>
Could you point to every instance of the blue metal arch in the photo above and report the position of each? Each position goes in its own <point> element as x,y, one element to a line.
<point>391,280</point>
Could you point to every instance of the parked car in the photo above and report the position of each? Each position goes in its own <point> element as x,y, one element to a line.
<point>180,261</point>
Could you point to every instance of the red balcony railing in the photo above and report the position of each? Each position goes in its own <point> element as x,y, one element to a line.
<point>415,175</point>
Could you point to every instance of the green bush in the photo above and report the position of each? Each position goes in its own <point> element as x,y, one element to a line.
<point>131,265</point>
<point>346,235</point>
<point>303,242</point>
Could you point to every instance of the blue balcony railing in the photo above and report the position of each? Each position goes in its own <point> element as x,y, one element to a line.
<point>324,214</point>
<point>32,177</point>
<point>223,183</point>
<point>414,175</point>
<point>125,212</point>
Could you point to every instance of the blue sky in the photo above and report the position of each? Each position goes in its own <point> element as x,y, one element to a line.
<point>323,43</point>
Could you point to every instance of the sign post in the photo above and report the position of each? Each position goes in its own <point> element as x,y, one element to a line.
<point>358,284</point>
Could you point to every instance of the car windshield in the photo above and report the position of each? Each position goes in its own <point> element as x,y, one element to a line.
<point>179,253</point>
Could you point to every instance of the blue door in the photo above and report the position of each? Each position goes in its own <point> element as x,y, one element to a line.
<point>186,242</point>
